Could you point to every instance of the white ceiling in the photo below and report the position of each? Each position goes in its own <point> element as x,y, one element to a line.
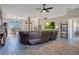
<point>29,10</point>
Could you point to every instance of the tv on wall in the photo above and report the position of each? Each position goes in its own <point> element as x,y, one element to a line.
<point>49,25</point>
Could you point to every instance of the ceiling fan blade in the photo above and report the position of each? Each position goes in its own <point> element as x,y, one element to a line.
<point>50,8</point>
<point>44,8</point>
<point>47,11</point>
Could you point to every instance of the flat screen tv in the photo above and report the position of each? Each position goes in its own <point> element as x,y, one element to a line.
<point>49,25</point>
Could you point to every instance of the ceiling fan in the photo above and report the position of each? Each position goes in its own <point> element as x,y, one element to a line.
<point>44,8</point>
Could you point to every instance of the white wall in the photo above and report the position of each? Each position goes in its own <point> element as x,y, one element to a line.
<point>77,25</point>
<point>72,16</point>
<point>70,29</point>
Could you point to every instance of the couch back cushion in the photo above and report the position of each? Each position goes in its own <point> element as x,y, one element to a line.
<point>34,35</point>
<point>45,36</point>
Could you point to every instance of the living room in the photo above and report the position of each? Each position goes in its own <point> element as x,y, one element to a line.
<point>26,21</point>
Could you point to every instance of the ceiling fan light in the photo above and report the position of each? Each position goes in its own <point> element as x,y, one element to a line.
<point>44,10</point>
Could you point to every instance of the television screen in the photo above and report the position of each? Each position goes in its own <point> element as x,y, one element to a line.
<point>49,25</point>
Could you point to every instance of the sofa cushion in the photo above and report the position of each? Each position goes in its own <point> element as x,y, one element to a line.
<point>34,41</point>
<point>34,37</point>
<point>45,36</point>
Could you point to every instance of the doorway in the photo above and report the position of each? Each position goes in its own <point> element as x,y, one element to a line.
<point>14,27</point>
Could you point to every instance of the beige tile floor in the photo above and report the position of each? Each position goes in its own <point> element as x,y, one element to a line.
<point>59,46</point>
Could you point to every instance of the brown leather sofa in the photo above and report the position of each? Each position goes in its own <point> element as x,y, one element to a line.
<point>36,37</point>
<point>24,38</point>
<point>45,36</point>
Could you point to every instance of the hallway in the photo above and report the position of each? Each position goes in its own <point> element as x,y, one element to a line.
<point>56,47</point>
